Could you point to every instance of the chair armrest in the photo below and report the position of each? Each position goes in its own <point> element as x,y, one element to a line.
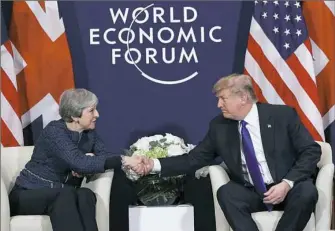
<point>324,185</point>
<point>101,185</point>
<point>218,178</point>
<point>5,210</point>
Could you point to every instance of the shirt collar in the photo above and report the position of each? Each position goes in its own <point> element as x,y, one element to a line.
<point>252,116</point>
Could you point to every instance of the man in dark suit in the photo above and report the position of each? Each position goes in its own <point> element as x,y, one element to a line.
<point>270,155</point>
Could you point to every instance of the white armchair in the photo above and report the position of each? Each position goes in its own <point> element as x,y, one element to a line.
<point>12,161</point>
<point>267,221</point>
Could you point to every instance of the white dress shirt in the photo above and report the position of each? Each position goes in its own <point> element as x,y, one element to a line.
<point>157,166</point>
<point>253,127</point>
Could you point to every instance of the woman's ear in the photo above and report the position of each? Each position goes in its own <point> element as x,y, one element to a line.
<point>75,119</point>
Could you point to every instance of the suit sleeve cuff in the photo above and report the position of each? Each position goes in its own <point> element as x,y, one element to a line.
<point>290,183</point>
<point>157,166</point>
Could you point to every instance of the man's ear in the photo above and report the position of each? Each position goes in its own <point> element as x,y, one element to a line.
<point>244,98</point>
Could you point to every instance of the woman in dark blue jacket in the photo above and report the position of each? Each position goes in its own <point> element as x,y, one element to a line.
<point>65,148</point>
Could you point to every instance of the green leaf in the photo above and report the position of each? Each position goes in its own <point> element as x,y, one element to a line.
<point>127,152</point>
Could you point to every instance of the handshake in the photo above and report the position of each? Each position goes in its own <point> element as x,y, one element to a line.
<point>142,165</point>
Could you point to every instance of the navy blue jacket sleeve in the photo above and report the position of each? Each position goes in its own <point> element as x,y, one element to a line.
<point>308,150</point>
<point>61,146</point>
<point>203,154</point>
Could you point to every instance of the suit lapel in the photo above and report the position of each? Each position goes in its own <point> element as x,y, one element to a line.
<point>267,128</point>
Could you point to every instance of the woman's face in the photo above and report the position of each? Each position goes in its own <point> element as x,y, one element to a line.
<point>88,118</point>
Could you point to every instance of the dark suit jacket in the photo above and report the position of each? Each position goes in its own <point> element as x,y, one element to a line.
<point>290,150</point>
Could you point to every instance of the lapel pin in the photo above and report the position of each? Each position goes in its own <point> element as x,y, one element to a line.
<point>269,125</point>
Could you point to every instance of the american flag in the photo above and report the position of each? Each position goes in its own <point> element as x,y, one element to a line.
<point>279,58</point>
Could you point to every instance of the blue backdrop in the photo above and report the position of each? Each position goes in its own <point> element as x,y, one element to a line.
<point>132,106</point>
<point>207,39</point>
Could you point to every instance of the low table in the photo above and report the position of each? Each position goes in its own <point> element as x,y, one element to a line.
<point>162,218</point>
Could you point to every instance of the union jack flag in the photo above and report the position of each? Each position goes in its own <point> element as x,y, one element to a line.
<point>36,68</point>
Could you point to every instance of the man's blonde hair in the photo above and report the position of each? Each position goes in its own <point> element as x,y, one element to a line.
<point>237,84</point>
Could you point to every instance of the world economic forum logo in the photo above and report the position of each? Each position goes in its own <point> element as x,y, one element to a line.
<point>149,26</point>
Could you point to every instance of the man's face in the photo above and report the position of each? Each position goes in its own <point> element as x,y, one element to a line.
<point>230,104</point>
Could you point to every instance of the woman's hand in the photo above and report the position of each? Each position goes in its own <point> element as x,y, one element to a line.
<point>77,174</point>
<point>136,163</point>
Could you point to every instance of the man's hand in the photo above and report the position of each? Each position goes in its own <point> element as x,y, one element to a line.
<point>136,163</point>
<point>148,165</point>
<point>277,193</point>
<point>140,164</point>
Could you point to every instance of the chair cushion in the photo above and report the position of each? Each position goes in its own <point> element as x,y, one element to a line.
<point>30,223</point>
<point>13,160</point>
<point>267,221</point>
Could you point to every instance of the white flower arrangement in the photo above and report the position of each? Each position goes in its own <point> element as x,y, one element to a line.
<point>157,146</point>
